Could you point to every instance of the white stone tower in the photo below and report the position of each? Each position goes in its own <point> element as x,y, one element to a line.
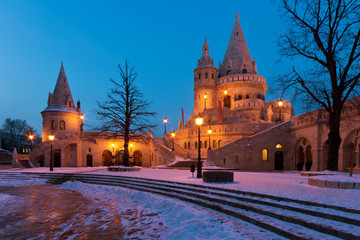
<point>61,115</point>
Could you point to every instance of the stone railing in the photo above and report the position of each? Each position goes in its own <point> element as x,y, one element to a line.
<point>241,77</point>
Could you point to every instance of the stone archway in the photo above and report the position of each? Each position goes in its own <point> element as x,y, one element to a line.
<point>349,153</point>
<point>106,158</point>
<point>57,159</point>
<point>137,158</point>
<point>119,157</point>
<point>303,157</point>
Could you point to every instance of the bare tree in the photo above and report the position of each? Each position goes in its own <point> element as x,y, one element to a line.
<point>326,35</point>
<point>15,133</point>
<point>125,112</point>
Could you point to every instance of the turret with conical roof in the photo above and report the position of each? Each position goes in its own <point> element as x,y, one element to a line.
<point>61,115</point>
<point>204,81</point>
<point>237,57</point>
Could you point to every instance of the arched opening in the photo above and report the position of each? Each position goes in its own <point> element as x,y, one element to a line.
<point>247,96</point>
<point>219,143</point>
<point>227,101</point>
<point>228,72</point>
<point>279,160</point>
<point>214,144</point>
<point>265,153</point>
<point>137,158</point>
<point>89,160</point>
<point>244,71</point>
<point>53,125</point>
<point>300,158</point>
<point>188,145</point>
<point>106,158</point>
<point>196,145</point>
<point>239,97</point>
<point>185,145</point>
<point>62,125</point>
<point>308,155</point>
<point>57,159</point>
<point>119,157</point>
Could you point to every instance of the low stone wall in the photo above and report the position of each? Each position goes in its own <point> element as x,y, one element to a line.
<point>218,176</point>
<point>123,169</point>
<point>333,184</point>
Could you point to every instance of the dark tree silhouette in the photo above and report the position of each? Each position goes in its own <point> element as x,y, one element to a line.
<point>15,133</point>
<point>326,35</point>
<point>125,112</point>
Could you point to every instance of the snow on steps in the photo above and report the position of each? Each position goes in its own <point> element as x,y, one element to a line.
<point>290,218</point>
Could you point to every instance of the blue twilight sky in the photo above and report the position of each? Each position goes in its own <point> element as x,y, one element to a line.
<point>163,39</point>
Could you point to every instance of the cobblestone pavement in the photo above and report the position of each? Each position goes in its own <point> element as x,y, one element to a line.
<point>47,212</point>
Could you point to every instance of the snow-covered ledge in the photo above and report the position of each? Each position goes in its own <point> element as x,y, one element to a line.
<point>336,180</point>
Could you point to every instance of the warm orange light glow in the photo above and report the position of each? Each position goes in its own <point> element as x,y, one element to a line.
<point>165,120</point>
<point>131,144</point>
<point>112,145</point>
<point>225,92</point>
<point>31,137</point>
<point>280,103</point>
<point>209,131</point>
<point>278,146</point>
<point>199,121</point>
<point>51,137</point>
<point>173,133</point>
<point>82,117</point>
<point>205,96</point>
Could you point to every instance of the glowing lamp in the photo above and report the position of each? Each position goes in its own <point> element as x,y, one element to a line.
<point>31,137</point>
<point>205,96</point>
<point>199,121</point>
<point>82,117</point>
<point>280,103</point>
<point>278,146</point>
<point>51,137</point>
<point>165,120</point>
<point>173,133</point>
<point>209,131</point>
<point>225,92</point>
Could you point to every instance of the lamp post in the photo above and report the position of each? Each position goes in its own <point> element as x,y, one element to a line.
<point>280,104</point>
<point>199,121</point>
<point>173,140</point>
<point>205,98</point>
<point>31,137</point>
<point>165,121</point>
<point>113,153</point>
<point>51,138</point>
<point>209,132</point>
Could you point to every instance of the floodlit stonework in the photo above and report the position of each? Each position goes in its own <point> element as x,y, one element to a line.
<point>247,132</point>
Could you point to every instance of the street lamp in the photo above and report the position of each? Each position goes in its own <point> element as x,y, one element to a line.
<point>31,137</point>
<point>225,92</point>
<point>113,154</point>
<point>173,141</point>
<point>165,121</point>
<point>199,121</point>
<point>205,98</point>
<point>280,104</point>
<point>51,138</point>
<point>209,132</point>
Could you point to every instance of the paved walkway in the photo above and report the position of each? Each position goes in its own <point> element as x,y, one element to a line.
<point>47,212</point>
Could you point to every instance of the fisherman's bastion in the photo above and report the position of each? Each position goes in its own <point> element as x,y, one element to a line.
<point>240,129</point>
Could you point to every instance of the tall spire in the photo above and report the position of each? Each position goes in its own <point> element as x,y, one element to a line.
<point>205,59</point>
<point>237,57</point>
<point>61,98</point>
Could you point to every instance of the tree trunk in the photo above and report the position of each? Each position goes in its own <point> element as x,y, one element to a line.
<point>334,140</point>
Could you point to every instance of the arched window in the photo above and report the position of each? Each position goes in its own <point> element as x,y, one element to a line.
<point>212,76</point>
<point>188,145</point>
<point>206,75</point>
<point>228,72</point>
<point>53,125</point>
<point>199,75</point>
<point>219,143</point>
<point>185,145</point>
<point>196,145</point>
<point>205,144</point>
<point>214,144</point>
<point>62,125</point>
<point>240,97</point>
<point>201,144</point>
<point>244,71</point>
<point>265,154</point>
<point>247,96</point>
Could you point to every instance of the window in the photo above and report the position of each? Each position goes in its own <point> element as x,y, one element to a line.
<point>206,75</point>
<point>219,143</point>
<point>201,144</point>
<point>69,104</point>
<point>199,75</point>
<point>240,97</point>
<point>185,145</point>
<point>244,71</point>
<point>228,72</point>
<point>188,145</point>
<point>62,125</point>
<point>53,125</point>
<point>214,144</point>
<point>205,144</point>
<point>212,76</point>
<point>264,154</point>
<point>196,145</point>
<point>224,161</point>
<point>247,96</point>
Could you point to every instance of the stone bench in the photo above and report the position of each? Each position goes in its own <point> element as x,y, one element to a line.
<point>218,176</point>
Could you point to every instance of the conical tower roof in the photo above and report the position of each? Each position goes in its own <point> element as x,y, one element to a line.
<point>237,56</point>
<point>205,59</point>
<point>61,98</point>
